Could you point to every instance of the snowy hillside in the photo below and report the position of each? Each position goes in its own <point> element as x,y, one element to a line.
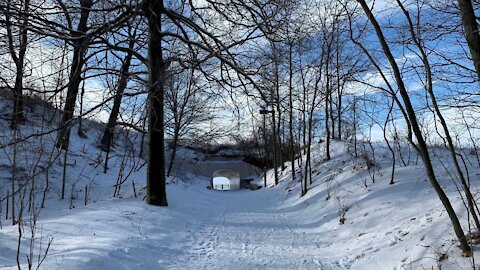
<point>400,226</point>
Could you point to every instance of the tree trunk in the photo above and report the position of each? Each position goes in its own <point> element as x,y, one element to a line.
<point>142,139</point>
<point>265,154</point>
<point>304,109</point>
<point>308,166</point>
<point>174,150</point>
<point>17,114</point>
<point>275,149</point>
<point>79,49</point>
<point>290,116</point>
<point>327,103</point>
<point>332,115</point>
<point>385,126</point>
<point>112,120</point>
<point>330,85</point>
<point>339,88</point>
<point>156,180</point>
<point>80,132</point>
<point>278,137</point>
<point>355,126</point>
<point>470,27</point>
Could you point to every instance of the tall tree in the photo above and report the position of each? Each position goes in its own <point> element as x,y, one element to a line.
<point>190,29</point>
<point>80,46</point>
<point>121,86</point>
<point>188,108</point>
<point>470,28</point>
<point>22,10</point>
<point>157,67</point>
<point>329,37</point>
<point>81,39</point>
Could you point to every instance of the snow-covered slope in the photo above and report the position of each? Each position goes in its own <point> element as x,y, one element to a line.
<point>400,226</point>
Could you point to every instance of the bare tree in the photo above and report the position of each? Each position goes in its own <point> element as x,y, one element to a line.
<point>81,39</point>
<point>421,145</point>
<point>188,109</point>
<point>122,83</point>
<point>429,88</point>
<point>16,17</point>
<point>470,28</point>
<point>80,46</point>
<point>157,67</point>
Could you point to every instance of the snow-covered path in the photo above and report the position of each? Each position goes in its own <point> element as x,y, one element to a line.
<point>239,230</point>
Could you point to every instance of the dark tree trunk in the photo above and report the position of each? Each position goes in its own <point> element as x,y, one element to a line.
<point>332,115</point>
<point>17,114</point>
<point>339,88</point>
<point>355,126</point>
<point>308,165</point>
<point>275,148</point>
<point>71,99</point>
<point>80,131</point>
<point>470,27</point>
<point>265,145</point>
<point>278,137</point>
<point>156,180</point>
<point>174,151</point>
<point>275,99</point>
<point>385,126</point>
<point>328,96</point>
<point>117,101</point>
<point>339,114</point>
<point>327,111</point>
<point>304,111</point>
<point>290,116</point>
<point>79,49</point>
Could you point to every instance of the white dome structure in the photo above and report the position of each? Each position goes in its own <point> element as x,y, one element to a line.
<point>226,179</point>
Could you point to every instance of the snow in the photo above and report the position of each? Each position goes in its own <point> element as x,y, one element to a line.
<point>400,226</point>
